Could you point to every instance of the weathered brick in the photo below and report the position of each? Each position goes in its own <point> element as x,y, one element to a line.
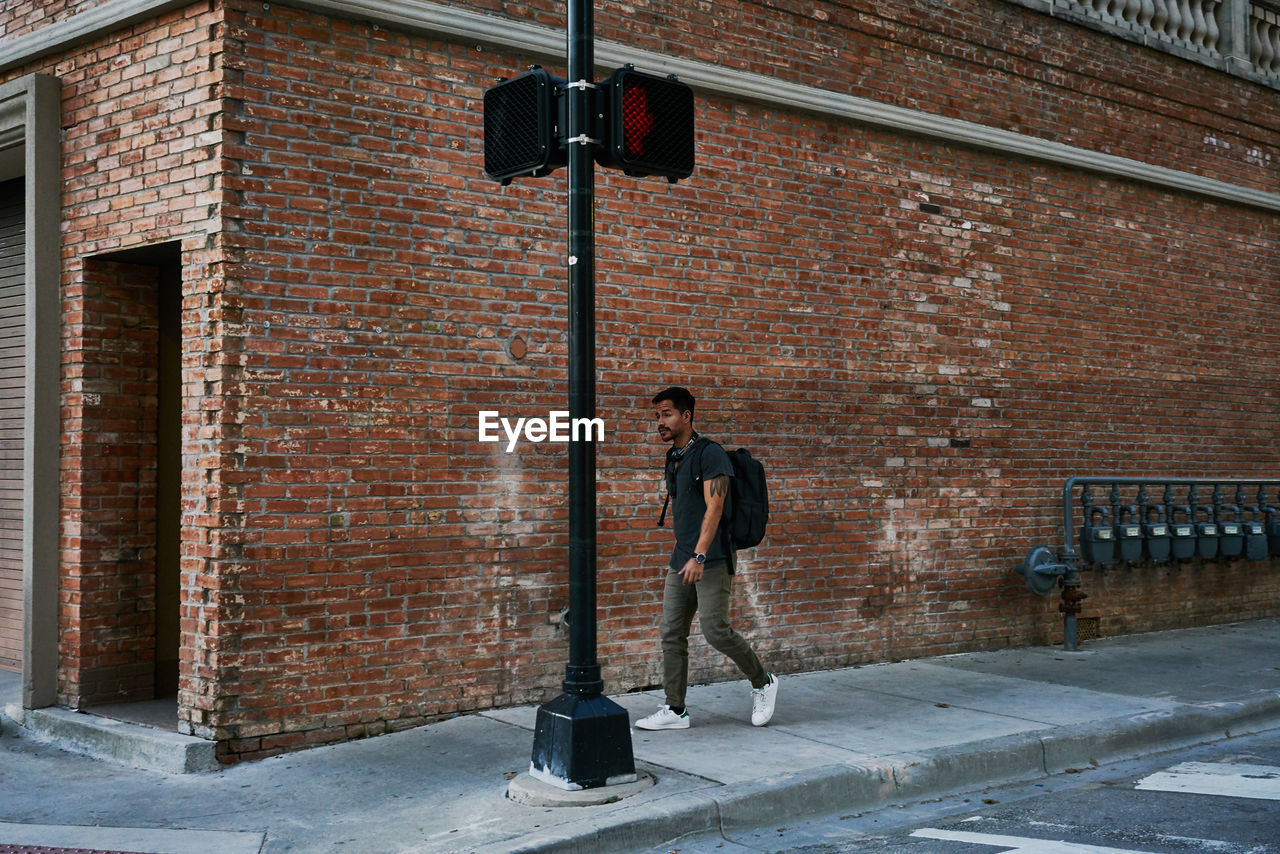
<point>921,341</point>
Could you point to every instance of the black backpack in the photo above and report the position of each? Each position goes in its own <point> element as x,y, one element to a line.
<point>747,512</point>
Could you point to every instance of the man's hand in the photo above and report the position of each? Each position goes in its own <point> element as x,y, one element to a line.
<point>692,572</point>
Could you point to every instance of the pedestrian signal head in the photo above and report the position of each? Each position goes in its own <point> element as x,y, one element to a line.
<point>650,125</point>
<point>521,127</point>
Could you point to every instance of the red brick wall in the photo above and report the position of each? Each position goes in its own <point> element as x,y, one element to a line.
<point>918,384</point>
<point>109,468</point>
<point>141,135</point>
<point>918,381</point>
<point>394,570</point>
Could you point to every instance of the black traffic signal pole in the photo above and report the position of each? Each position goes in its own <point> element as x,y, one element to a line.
<point>582,739</point>
<point>583,673</point>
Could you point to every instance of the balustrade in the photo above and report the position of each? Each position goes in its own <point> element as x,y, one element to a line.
<point>1190,22</point>
<point>1264,38</point>
<point>1227,29</point>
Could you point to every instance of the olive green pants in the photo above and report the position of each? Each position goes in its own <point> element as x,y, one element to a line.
<point>709,598</point>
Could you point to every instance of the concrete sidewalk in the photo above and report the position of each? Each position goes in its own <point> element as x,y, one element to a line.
<point>841,740</point>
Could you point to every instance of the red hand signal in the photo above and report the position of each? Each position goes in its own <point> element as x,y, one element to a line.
<point>637,121</point>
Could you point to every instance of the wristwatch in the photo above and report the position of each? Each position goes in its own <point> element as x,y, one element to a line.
<point>700,558</point>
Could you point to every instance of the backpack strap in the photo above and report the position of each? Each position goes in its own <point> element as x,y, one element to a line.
<point>697,472</point>
<point>667,501</point>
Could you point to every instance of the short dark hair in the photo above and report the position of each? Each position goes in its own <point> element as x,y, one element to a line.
<point>680,397</point>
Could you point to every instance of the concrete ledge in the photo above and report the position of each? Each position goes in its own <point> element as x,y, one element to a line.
<point>94,22</point>
<point>130,744</point>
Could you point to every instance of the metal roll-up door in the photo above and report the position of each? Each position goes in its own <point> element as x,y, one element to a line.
<point>12,388</point>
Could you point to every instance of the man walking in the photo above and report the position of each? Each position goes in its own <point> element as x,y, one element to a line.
<point>700,573</point>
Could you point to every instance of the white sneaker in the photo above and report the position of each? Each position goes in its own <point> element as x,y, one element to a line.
<point>664,718</point>
<point>762,702</point>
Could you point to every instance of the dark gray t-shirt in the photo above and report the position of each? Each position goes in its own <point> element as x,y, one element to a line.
<point>685,475</point>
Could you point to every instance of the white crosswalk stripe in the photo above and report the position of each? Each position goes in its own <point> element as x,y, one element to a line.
<point>1233,780</point>
<point>1019,844</point>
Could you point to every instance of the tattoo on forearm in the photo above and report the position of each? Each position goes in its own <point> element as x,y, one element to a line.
<point>719,486</point>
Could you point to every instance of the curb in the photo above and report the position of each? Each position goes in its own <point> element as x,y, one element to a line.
<point>130,744</point>
<point>840,788</point>
<point>948,769</point>
<point>1153,732</point>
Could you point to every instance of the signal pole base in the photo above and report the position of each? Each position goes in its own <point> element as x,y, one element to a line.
<point>582,742</point>
<point>524,789</point>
